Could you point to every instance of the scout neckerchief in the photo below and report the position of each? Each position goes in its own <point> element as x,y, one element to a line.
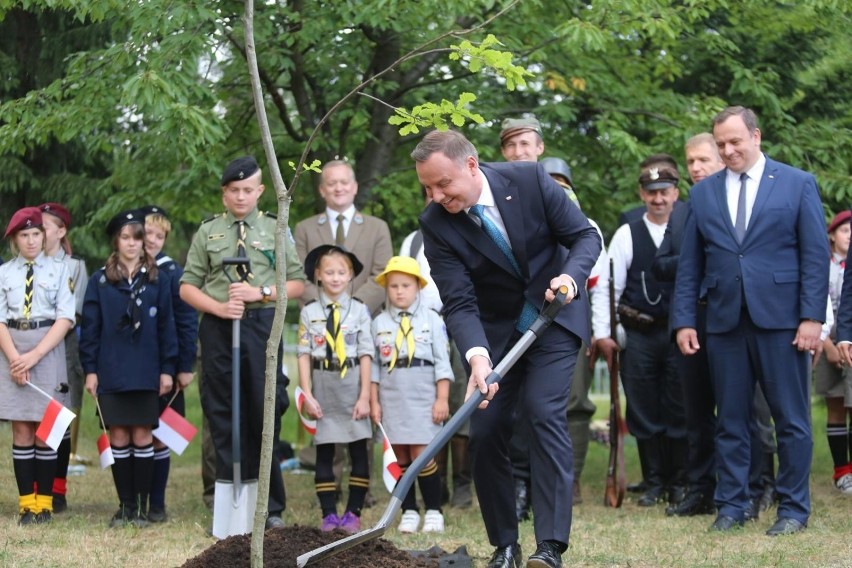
<point>28,289</point>
<point>132,318</point>
<point>403,333</point>
<point>245,275</point>
<point>333,337</point>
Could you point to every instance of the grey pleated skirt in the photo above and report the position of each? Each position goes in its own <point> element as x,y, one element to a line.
<point>24,403</point>
<point>407,395</point>
<point>337,399</point>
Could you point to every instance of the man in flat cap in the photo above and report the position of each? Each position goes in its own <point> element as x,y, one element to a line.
<point>649,374</point>
<point>241,231</point>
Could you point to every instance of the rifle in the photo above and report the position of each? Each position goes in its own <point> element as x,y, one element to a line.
<point>616,482</point>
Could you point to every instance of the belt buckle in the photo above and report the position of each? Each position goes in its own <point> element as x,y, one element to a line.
<point>24,326</point>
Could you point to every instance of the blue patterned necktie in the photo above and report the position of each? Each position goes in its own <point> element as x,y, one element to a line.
<point>529,313</point>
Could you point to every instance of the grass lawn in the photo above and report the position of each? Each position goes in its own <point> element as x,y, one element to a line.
<point>630,536</point>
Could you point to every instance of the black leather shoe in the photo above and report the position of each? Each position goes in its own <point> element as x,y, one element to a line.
<point>695,503</point>
<point>640,487</point>
<point>522,499</point>
<point>654,495</point>
<point>60,504</point>
<point>506,557</point>
<point>767,499</point>
<point>751,513</point>
<point>785,525</point>
<point>725,523</point>
<point>274,522</point>
<point>546,555</point>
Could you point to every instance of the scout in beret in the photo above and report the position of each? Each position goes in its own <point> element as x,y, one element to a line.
<point>128,349</point>
<point>57,221</point>
<point>33,324</point>
<point>335,352</point>
<point>222,294</point>
<point>157,229</point>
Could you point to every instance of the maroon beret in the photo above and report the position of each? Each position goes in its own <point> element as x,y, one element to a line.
<point>57,210</point>
<point>842,217</point>
<point>26,218</point>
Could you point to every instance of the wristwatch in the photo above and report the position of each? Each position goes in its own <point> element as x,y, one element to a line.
<point>265,294</point>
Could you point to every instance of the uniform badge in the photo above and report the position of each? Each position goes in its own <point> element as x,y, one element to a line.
<point>304,336</point>
<point>386,351</point>
<point>319,340</point>
<point>71,285</point>
<point>216,237</point>
<point>654,173</point>
<point>349,338</point>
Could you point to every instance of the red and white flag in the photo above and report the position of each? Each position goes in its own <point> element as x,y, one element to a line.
<point>105,451</point>
<point>54,423</point>
<point>174,430</point>
<point>308,424</point>
<point>390,466</point>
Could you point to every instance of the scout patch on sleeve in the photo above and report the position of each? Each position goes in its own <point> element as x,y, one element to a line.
<point>304,336</point>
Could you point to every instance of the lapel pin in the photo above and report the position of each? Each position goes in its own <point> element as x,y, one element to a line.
<point>771,176</point>
<point>508,198</point>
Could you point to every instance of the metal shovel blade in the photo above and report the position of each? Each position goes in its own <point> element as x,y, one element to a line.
<point>439,441</point>
<point>233,508</point>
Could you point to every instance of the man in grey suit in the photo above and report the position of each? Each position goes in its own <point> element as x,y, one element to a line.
<point>365,236</point>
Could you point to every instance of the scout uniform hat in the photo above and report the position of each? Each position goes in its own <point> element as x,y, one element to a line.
<point>239,169</point>
<point>153,210</point>
<point>57,210</point>
<point>125,218</point>
<point>404,264</point>
<point>839,219</point>
<point>558,167</point>
<point>313,258</point>
<point>26,218</point>
<point>514,126</point>
<point>658,177</point>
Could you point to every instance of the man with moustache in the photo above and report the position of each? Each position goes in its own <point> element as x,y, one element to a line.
<point>755,248</point>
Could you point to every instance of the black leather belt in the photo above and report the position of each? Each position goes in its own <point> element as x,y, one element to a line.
<point>26,325</point>
<point>415,362</point>
<point>320,364</point>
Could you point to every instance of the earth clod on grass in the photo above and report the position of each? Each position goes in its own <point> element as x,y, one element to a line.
<point>282,546</point>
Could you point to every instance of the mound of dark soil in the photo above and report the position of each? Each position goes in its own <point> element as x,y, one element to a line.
<point>282,546</point>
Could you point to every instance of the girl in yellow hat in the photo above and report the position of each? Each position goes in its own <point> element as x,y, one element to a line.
<point>411,383</point>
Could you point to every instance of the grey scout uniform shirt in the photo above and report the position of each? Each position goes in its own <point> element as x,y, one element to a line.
<point>52,297</point>
<point>354,324</point>
<point>216,239</point>
<point>430,341</point>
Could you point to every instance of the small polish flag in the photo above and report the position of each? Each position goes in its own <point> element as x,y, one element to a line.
<point>105,451</point>
<point>54,423</point>
<point>390,466</point>
<point>174,431</point>
<point>308,424</point>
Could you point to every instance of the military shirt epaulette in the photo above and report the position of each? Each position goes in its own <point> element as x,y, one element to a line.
<point>270,214</point>
<point>77,257</point>
<point>359,300</point>
<point>207,220</point>
<point>311,302</point>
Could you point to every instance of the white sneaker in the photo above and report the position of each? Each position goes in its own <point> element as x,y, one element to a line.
<point>433,522</point>
<point>844,484</point>
<point>410,521</point>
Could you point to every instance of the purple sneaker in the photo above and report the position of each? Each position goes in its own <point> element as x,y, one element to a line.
<point>350,523</point>
<point>330,522</point>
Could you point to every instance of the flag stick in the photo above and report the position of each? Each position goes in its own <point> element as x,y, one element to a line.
<point>39,390</point>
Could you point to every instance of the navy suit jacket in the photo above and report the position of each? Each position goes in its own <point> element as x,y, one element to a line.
<point>780,266</point>
<point>843,317</point>
<point>482,294</point>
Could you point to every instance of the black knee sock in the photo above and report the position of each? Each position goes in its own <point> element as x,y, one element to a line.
<point>162,465</point>
<point>838,443</point>
<point>429,481</point>
<point>23,460</point>
<point>122,475</point>
<point>45,473</point>
<point>409,502</point>
<point>324,479</point>
<point>143,469</point>
<point>63,455</point>
<point>359,476</point>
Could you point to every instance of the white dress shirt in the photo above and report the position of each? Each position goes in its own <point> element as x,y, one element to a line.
<point>732,189</point>
<point>348,214</point>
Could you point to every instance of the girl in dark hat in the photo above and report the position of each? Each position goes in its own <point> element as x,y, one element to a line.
<point>57,221</point>
<point>129,351</point>
<point>335,352</point>
<point>36,311</point>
